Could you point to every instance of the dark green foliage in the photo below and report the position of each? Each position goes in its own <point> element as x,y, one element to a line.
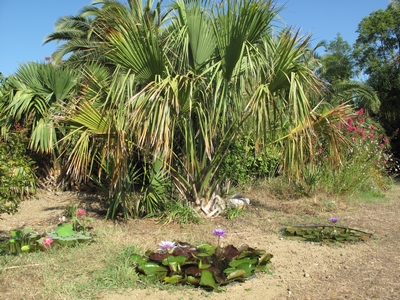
<point>204,265</point>
<point>243,163</point>
<point>325,233</point>
<point>376,52</point>
<point>337,63</point>
<point>17,177</point>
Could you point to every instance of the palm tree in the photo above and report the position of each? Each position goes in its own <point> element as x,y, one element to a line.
<point>183,87</point>
<point>39,90</point>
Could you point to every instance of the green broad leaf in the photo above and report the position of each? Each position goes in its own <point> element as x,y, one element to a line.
<point>174,279</point>
<point>248,268</point>
<point>247,260</point>
<point>174,259</point>
<point>137,259</point>
<point>152,268</point>
<point>265,258</point>
<point>203,266</point>
<point>251,253</point>
<point>25,248</point>
<point>174,262</point>
<point>16,234</point>
<point>26,230</point>
<point>236,274</point>
<point>64,230</point>
<point>192,280</point>
<point>228,271</point>
<point>206,250</point>
<point>207,279</point>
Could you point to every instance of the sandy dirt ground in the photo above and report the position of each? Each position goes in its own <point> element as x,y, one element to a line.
<point>301,270</point>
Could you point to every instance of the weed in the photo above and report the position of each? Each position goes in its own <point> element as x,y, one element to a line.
<point>180,213</point>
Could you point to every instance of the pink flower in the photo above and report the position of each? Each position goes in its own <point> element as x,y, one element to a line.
<point>386,140</point>
<point>350,121</point>
<point>47,241</point>
<point>62,219</point>
<point>382,146</point>
<point>351,128</point>
<point>372,127</point>
<point>80,212</point>
<point>360,112</point>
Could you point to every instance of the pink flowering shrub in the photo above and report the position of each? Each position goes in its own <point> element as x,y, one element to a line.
<point>365,157</point>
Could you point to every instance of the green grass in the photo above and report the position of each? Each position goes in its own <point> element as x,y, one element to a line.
<point>371,197</point>
<point>79,272</point>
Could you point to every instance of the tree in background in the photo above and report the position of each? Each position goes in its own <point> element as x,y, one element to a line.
<point>376,52</point>
<point>339,72</point>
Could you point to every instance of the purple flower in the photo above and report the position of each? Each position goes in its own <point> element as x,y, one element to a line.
<point>219,233</point>
<point>166,245</point>
<point>334,220</point>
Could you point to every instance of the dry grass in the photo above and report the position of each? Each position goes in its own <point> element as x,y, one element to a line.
<point>102,269</point>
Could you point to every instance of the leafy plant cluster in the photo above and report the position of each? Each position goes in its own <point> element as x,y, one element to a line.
<point>66,234</point>
<point>364,166</point>
<point>152,103</point>
<point>325,233</point>
<point>204,265</point>
<point>17,176</point>
<point>244,163</point>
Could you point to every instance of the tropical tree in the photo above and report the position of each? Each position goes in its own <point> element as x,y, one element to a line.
<point>39,89</point>
<point>377,55</point>
<point>183,86</point>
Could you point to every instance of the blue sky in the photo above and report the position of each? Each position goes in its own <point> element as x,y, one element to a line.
<point>25,23</point>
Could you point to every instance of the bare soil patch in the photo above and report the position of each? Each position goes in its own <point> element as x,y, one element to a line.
<point>366,270</point>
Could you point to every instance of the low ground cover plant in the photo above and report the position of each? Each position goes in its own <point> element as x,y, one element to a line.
<point>325,233</point>
<point>203,265</point>
<point>69,232</point>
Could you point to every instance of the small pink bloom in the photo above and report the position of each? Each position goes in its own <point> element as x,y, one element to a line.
<point>353,139</point>
<point>47,241</point>
<point>382,146</point>
<point>319,150</point>
<point>351,128</point>
<point>371,135</point>
<point>62,219</point>
<point>384,162</point>
<point>360,112</point>
<point>80,212</point>
<point>361,120</point>
<point>372,127</point>
<point>386,140</point>
<point>350,121</point>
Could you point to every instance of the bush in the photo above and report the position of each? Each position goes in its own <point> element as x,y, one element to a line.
<point>17,177</point>
<point>367,163</point>
<point>243,162</point>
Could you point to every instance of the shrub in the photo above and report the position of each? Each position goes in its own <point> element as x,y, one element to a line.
<point>365,165</point>
<point>243,162</point>
<point>17,177</point>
